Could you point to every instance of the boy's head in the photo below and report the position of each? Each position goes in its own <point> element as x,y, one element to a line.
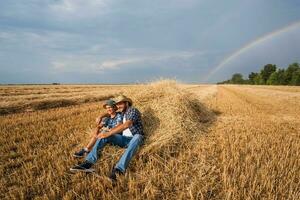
<point>110,106</point>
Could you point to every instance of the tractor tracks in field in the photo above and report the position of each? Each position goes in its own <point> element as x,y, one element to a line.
<point>256,102</point>
<point>240,103</point>
<point>248,128</point>
<point>237,106</point>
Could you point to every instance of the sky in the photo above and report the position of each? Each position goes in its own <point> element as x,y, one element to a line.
<point>134,41</point>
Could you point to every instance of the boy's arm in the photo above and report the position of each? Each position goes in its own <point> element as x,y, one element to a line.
<point>100,117</point>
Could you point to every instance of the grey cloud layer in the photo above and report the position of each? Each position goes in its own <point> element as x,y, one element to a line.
<point>108,41</point>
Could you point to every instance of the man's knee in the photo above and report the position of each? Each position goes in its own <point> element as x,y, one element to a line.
<point>138,138</point>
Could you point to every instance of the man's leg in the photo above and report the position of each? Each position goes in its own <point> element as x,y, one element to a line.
<point>116,139</point>
<point>132,147</point>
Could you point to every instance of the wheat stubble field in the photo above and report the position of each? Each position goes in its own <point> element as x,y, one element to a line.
<point>202,142</point>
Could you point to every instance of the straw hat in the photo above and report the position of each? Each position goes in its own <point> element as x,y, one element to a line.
<point>123,98</point>
<point>110,103</point>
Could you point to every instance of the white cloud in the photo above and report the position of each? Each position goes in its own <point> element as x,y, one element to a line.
<point>58,65</point>
<point>97,64</point>
<point>79,8</point>
<point>113,64</point>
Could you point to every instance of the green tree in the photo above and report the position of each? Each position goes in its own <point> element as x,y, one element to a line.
<point>267,71</point>
<point>296,78</point>
<point>258,80</point>
<point>280,75</point>
<point>237,78</point>
<point>269,75</point>
<point>252,77</point>
<point>224,82</point>
<point>288,75</point>
<point>273,79</point>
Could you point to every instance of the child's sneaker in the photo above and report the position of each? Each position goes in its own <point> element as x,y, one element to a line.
<point>81,153</point>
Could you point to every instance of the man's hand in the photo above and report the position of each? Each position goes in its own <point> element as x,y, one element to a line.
<point>102,135</point>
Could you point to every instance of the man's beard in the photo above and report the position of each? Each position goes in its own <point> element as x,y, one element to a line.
<point>122,109</point>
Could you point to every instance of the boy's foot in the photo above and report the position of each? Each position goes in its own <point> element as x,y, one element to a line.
<point>83,167</point>
<point>113,174</point>
<point>81,153</point>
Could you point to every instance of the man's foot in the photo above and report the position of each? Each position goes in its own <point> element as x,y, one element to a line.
<point>81,153</point>
<point>83,167</point>
<point>113,174</point>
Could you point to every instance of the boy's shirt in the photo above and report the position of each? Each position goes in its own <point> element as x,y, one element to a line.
<point>112,122</point>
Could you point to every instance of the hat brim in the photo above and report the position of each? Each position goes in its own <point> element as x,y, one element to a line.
<point>125,100</point>
<point>105,104</point>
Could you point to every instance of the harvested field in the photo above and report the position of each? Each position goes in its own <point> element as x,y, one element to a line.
<point>22,98</point>
<point>202,142</point>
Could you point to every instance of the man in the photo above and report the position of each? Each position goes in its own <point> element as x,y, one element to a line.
<point>131,139</point>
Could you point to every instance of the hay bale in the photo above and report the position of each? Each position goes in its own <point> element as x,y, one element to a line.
<point>171,115</point>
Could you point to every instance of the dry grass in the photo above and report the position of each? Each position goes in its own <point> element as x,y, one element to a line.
<point>203,142</point>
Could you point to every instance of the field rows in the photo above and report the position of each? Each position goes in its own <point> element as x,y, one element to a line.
<point>14,99</point>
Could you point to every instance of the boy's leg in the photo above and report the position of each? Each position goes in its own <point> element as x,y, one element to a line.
<point>93,140</point>
<point>88,148</point>
<point>132,147</point>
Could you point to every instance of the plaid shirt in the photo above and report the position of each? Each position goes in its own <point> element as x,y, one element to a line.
<point>134,115</point>
<point>112,122</point>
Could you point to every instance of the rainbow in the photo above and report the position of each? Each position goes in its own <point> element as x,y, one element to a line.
<point>250,45</point>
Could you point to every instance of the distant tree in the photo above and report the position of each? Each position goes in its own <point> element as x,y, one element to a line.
<point>258,80</point>
<point>280,74</point>
<point>288,75</point>
<point>237,78</point>
<point>273,79</point>
<point>251,77</point>
<point>269,75</point>
<point>296,78</point>
<point>224,82</point>
<point>267,71</point>
<point>246,81</point>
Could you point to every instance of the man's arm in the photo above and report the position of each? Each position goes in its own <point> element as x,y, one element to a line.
<point>116,129</point>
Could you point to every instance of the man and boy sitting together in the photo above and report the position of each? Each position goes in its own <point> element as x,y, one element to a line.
<point>122,126</point>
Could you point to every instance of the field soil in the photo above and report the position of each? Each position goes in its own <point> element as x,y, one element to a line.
<point>202,142</point>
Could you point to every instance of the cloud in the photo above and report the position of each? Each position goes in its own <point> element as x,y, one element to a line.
<point>113,64</point>
<point>79,9</point>
<point>87,63</point>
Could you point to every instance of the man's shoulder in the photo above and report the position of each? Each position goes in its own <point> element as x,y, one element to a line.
<point>133,109</point>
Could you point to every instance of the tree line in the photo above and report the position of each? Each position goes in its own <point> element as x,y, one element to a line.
<point>269,75</point>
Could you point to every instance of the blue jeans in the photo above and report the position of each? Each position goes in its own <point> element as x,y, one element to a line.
<point>130,143</point>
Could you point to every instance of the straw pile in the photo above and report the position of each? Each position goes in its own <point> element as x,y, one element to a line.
<point>172,116</point>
